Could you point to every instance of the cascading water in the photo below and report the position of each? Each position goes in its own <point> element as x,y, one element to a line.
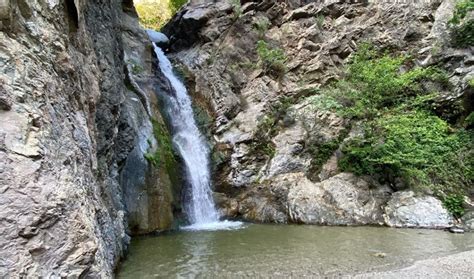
<point>192,147</point>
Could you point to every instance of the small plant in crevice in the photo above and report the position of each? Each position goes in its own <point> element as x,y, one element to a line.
<point>163,155</point>
<point>454,203</point>
<point>272,59</point>
<point>262,26</point>
<point>321,153</point>
<point>135,67</point>
<point>268,127</point>
<point>237,8</point>
<point>319,20</point>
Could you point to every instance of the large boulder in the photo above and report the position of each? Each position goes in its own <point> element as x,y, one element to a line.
<point>405,209</point>
<point>340,200</point>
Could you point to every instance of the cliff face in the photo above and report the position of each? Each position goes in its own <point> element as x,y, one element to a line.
<point>258,69</point>
<point>75,125</point>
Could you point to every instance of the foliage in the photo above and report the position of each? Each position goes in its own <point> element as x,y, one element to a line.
<point>469,121</point>
<point>471,83</point>
<point>262,144</point>
<point>272,59</point>
<point>175,5</point>
<point>320,154</point>
<point>374,83</point>
<point>154,14</point>
<point>267,127</point>
<point>135,67</point>
<point>454,204</point>
<point>262,26</point>
<point>319,20</point>
<point>163,155</point>
<point>462,8</point>
<point>417,146</point>
<point>462,29</point>
<point>237,7</point>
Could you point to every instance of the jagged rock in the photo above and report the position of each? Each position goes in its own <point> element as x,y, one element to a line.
<point>64,141</point>
<point>405,209</point>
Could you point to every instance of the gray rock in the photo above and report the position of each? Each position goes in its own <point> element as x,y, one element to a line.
<point>468,220</point>
<point>405,209</point>
<point>63,139</point>
<point>340,200</point>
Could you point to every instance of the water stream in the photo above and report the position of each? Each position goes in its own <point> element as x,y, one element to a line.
<point>192,147</point>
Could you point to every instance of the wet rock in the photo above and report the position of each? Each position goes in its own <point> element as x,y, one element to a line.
<point>405,209</point>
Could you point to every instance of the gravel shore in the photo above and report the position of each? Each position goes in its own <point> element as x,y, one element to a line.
<point>459,265</point>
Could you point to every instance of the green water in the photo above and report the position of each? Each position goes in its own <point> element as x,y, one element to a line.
<point>285,250</point>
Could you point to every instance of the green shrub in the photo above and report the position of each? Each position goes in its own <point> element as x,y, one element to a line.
<point>272,59</point>
<point>462,29</point>
<point>454,204</point>
<point>417,146</point>
<point>375,82</point>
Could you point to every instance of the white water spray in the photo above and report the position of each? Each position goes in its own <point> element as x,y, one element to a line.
<point>193,149</point>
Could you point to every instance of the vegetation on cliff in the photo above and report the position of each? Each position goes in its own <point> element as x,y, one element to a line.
<point>402,136</point>
<point>462,24</point>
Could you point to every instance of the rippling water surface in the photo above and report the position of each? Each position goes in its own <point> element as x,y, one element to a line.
<point>284,250</point>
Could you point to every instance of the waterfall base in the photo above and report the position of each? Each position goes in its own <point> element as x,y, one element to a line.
<point>214,226</point>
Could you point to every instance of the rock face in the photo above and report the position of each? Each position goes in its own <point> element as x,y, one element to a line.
<point>277,155</point>
<point>75,124</point>
<point>343,199</point>
<point>406,210</point>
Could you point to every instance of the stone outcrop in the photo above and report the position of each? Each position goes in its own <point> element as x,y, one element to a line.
<point>277,154</point>
<point>405,209</point>
<point>75,124</point>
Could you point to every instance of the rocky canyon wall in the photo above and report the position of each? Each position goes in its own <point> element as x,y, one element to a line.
<point>76,103</point>
<point>257,67</point>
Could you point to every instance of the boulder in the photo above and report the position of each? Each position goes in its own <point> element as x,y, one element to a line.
<point>407,210</point>
<point>340,200</point>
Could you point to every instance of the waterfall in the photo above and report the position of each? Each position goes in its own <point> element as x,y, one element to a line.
<point>192,147</point>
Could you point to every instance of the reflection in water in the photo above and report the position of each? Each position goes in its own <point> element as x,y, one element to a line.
<point>285,250</point>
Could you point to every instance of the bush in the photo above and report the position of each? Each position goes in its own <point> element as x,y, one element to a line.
<point>462,29</point>
<point>272,59</point>
<point>454,204</point>
<point>374,83</point>
<point>417,146</point>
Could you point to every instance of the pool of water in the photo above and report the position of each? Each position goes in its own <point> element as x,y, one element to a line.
<point>285,250</point>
